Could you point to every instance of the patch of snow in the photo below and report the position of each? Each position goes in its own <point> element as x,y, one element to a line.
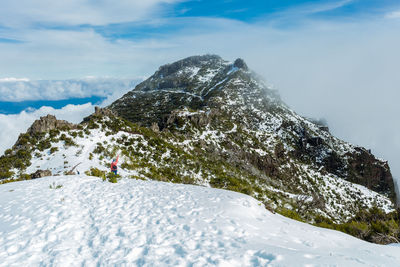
<point>91,222</point>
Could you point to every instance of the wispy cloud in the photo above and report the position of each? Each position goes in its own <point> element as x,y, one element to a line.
<point>313,8</point>
<point>20,13</point>
<point>9,40</point>
<point>393,14</point>
<point>21,89</point>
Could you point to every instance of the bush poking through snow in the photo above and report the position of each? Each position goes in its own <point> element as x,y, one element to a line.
<point>55,186</point>
<point>96,172</point>
<point>113,178</point>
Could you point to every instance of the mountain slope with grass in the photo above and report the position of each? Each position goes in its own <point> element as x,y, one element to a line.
<point>81,220</point>
<point>206,121</point>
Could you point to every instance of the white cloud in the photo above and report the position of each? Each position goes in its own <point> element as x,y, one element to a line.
<point>11,129</point>
<point>393,15</point>
<point>60,54</point>
<point>12,79</point>
<point>20,13</point>
<point>312,8</point>
<point>16,90</point>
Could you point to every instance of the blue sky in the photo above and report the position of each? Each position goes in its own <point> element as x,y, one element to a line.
<point>178,17</point>
<point>9,107</point>
<point>252,10</point>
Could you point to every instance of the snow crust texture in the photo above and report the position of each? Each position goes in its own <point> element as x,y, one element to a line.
<point>89,222</point>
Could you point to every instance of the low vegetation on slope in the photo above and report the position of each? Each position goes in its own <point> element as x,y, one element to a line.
<point>147,154</point>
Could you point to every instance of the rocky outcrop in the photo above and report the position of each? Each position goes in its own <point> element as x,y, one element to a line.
<point>365,169</point>
<point>40,174</point>
<point>240,64</point>
<point>104,112</point>
<point>47,123</point>
<point>100,112</point>
<point>154,127</point>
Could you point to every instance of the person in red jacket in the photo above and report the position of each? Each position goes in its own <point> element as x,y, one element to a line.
<point>114,167</point>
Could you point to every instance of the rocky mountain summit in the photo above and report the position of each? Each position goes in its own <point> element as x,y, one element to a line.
<point>207,92</point>
<point>206,121</point>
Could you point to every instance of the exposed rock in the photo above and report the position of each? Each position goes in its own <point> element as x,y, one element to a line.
<point>169,69</point>
<point>324,128</point>
<point>239,63</point>
<point>155,127</point>
<point>48,123</point>
<point>100,112</point>
<point>40,174</point>
<point>104,112</point>
<point>366,170</point>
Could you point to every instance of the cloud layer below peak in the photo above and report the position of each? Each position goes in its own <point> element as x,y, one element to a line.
<point>16,90</point>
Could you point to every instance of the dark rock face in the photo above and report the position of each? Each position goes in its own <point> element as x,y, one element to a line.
<point>366,170</point>
<point>169,69</point>
<point>48,123</point>
<point>104,112</point>
<point>239,63</point>
<point>40,174</point>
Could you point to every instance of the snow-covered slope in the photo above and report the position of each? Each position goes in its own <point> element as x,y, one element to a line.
<point>94,223</point>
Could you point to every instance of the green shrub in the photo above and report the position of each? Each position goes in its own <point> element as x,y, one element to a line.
<point>44,144</point>
<point>137,177</point>
<point>99,149</point>
<point>112,178</point>
<point>290,213</point>
<point>6,174</point>
<point>53,150</point>
<point>95,172</point>
<point>372,225</point>
<point>53,133</point>
<point>55,186</point>
<point>24,176</point>
<point>68,141</point>
<point>92,125</point>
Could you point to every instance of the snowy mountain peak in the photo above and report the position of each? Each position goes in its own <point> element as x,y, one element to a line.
<point>197,82</point>
<point>240,64</point>
<point>205,121</point>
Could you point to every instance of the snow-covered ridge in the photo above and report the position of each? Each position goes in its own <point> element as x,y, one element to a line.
<point>90,222</point>
<point>94,148</point>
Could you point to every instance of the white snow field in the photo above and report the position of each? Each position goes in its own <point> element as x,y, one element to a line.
<point>88,222</point>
